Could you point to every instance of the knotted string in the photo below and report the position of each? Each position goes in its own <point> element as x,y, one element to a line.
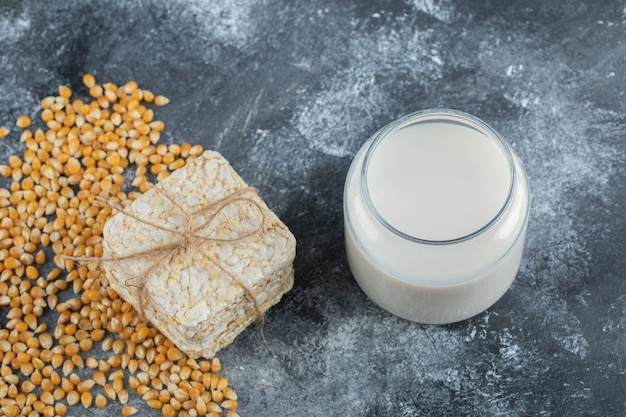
<point>188,237</point>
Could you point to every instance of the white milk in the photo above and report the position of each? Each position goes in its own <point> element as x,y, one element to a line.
<point>435,208</point>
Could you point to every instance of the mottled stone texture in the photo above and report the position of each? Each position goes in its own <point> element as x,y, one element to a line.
<point>288,91</point>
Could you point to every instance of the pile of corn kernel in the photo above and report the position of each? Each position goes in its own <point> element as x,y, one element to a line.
<point>99,351</point>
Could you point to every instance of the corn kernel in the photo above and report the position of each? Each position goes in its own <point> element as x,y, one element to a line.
<point>161,100</point>
<point>65,91</point>
<point>89,80</point>
<point>23,122</point>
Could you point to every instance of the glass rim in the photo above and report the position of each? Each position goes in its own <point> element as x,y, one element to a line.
<point>433,115</point>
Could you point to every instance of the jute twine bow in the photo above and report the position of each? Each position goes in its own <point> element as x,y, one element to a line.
<point>188,237</point>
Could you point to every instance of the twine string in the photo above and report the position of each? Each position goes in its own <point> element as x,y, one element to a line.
<point>188,238</point>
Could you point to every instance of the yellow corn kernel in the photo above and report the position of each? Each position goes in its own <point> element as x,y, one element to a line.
<point>65,91</point>
<point>161,100</point>
<point>95,92</point>
<point>23,122</point>
<point>89,80</point>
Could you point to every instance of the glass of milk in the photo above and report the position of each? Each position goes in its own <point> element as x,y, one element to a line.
<point>436,208</point>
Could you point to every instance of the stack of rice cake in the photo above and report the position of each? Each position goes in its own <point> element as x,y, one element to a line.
<point>200,255</point>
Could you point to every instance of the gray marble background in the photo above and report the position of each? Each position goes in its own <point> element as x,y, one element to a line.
<point>289,90</point>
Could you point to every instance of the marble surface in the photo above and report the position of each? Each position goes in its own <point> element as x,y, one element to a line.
<point>289,90</point>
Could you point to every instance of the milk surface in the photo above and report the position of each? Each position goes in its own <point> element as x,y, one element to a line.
<point>438,181</point>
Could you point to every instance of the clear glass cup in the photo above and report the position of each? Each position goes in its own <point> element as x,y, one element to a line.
<point>436,207</point>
